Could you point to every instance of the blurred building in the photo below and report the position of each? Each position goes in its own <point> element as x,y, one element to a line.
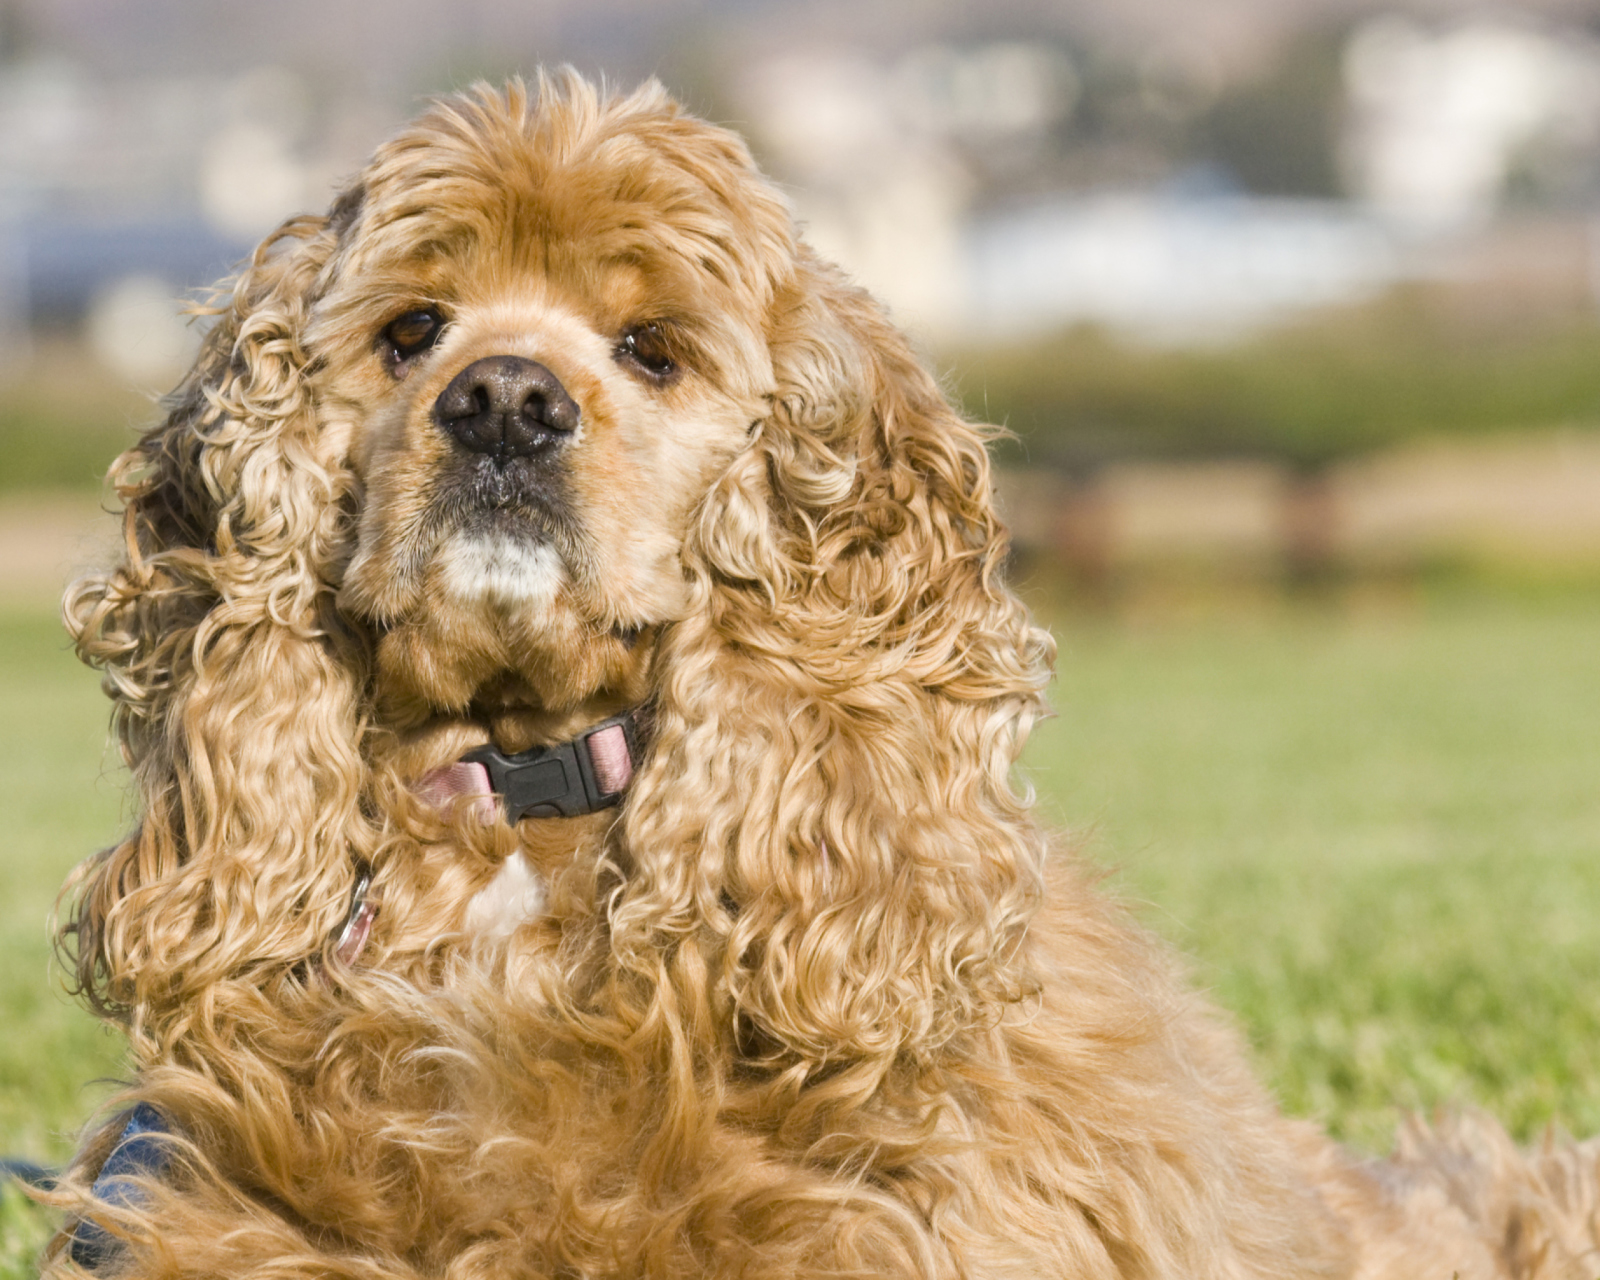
<point>995,190</point>
<point>1446,125</point>
<point>119,196</point>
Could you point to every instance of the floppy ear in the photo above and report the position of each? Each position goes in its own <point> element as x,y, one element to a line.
<point>828,834</point>
<point>235,685</point>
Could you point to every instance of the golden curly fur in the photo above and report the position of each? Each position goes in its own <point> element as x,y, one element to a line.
<point>803,1005</point>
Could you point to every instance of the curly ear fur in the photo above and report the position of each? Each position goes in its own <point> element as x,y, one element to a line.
<point>236,688</point>
<point>829,830</point>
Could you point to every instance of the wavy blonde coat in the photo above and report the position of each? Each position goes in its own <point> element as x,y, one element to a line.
<point>803,1006</point>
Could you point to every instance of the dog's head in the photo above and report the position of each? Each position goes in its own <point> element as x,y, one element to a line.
<point>551,416</point>
<point>541,336</point>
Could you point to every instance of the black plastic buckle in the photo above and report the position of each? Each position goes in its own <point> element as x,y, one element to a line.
<point>553,782</point>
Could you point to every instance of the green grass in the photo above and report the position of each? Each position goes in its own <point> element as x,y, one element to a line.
<point>59,801</point>
<point>1377,834</point>
<point>24,1229</point>
<point>1379,837</point>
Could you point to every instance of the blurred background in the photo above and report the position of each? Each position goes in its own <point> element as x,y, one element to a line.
<point>1265,288</point>
<point>1292,308</point>
<point>1268,290</point>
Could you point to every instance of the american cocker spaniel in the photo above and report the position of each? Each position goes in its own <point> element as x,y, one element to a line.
<point>562,649</point>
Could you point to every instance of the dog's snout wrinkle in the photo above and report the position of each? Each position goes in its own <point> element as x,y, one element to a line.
<point>506,407</point>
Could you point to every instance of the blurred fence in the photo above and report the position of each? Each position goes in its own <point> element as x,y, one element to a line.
<point>1512,502</point>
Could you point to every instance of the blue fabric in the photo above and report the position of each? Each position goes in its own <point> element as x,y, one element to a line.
<point>35,1175</point>
<point>141,1152</point>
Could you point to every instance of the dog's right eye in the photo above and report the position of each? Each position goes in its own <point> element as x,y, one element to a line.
<point>409,335</point>
<point>645,346</point>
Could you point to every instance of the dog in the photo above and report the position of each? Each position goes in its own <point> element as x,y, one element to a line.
<point>562,647</point>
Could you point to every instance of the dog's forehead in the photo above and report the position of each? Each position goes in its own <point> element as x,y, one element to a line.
<point>650,202</point>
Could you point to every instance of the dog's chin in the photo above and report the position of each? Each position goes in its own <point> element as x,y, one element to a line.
<point>501,570</point>
<point>496,641</point>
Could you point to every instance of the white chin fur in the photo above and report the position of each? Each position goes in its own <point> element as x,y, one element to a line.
<point>502,569</point>
<point>514,895</point>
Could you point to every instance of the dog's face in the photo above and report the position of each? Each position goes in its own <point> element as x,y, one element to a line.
<point>536,357</point>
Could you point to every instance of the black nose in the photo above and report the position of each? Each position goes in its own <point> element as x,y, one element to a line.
<point>506,407</point>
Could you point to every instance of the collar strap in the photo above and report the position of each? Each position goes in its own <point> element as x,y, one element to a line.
<point>568,780</point>
<point>585,775</point>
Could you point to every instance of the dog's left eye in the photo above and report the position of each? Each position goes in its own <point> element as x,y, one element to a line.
<point>413,333</point>
<point>646,346</point>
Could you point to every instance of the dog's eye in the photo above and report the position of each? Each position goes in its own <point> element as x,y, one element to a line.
<point>411,334</point>
<point>646,346</point>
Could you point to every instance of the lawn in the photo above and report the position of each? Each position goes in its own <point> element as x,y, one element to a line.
<point>60,799</point>
<point>1377,833</point>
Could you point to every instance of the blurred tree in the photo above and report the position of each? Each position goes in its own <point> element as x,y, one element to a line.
<point>1417,362</point>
